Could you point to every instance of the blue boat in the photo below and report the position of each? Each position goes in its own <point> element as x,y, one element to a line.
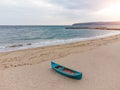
<point>66,71</point>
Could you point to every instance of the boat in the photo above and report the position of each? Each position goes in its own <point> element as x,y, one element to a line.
<point>66,71</point>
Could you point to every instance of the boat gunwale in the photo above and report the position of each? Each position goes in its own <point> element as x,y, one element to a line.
<point>76,73</point>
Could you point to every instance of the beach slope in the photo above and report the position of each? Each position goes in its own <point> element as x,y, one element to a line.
<point>100,68</point>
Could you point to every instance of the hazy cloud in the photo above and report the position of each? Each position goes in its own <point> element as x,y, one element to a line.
<point>50,11</point>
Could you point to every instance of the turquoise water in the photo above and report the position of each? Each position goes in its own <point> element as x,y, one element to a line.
<point>22,37</point>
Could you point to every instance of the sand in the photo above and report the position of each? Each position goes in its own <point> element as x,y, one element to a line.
<point>98,60</point>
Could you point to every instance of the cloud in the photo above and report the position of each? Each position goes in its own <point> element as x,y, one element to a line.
<point>80,4</point>
<point>50,11</point>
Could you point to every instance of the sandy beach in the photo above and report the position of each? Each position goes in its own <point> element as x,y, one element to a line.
<point>98,59</point>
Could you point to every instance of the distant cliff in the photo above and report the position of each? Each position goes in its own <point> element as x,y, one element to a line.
<point>98,23</point>
<point>94,25</point>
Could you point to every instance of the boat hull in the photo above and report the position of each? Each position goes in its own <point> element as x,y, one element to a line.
<point>66,71</point>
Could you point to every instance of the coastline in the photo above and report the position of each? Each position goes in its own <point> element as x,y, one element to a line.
<point>24,46</point>
<point>95,28</point>
<point>37,55</point>
<point>52,42</point>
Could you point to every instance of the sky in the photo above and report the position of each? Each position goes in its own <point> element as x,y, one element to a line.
<point>57,12</point>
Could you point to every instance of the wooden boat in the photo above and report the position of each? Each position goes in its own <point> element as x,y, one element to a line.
<point>66,71</point>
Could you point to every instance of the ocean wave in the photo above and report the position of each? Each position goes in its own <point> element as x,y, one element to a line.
<point>36,38</point>
<point>49,42</point>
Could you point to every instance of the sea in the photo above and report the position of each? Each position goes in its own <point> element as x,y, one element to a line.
<point>23,37</point>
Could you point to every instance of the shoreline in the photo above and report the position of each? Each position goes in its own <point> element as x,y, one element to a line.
<point>25,46</point>
<point>37,55</point>
<point>95,28</point>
